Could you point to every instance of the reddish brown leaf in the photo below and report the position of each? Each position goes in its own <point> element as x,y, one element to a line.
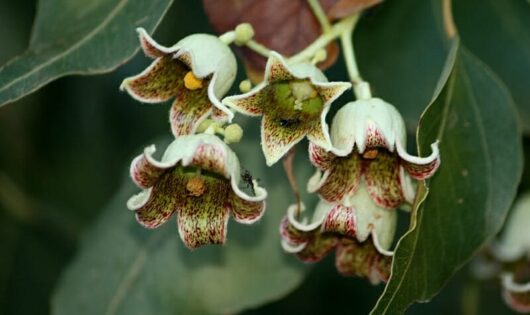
<point>344,8</point>
<point>286,26</point>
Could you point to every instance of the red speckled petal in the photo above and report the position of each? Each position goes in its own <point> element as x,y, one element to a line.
<point>356,259</point>
<point>318,247</point>
<point>382,179</point>
<point>203,220</point>
<point>164,199</point>
<point>319,157</point>
<point>276,140</point>
<point>340,220</point>
<point>292,235</point>
<point>344,177</point>
<point>189,109</point>
<point>212,158</point>
<point>246,211</point>
<point>162,80</point>
<point>143,173</point>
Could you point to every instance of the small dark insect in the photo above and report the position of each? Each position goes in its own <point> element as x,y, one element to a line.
<point>286,122</point>
<point>247,178</point>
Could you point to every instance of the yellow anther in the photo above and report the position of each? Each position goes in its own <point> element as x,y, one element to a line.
<point>195,186</point>
<point>191,82</point>
<point>370,154</point>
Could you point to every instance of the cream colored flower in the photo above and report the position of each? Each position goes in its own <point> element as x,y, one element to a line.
<point>196,72</point>
<point>198,179</point>
<point>294,101</point>
<point>369,146</point>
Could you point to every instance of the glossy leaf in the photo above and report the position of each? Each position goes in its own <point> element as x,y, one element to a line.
<point>474,117</point>
<point>78,37</point>
<point>498,32</point>
<point>123,268</point>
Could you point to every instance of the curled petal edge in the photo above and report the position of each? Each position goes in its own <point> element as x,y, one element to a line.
<point>434,157</point>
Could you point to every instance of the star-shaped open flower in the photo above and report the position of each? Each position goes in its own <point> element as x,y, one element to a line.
<point>294,101</point>
<point>361,234</point>
<point>197,72</point>
<point>198,179</point>
<point>369,140</point>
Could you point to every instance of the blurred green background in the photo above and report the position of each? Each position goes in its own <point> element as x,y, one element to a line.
<point>65,150</point>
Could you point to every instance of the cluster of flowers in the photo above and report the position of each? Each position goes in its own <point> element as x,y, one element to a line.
<point>363,170</point>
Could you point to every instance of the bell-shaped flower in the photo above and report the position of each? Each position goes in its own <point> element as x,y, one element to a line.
<point>361,234</point>
<point>369,141</point>
<point>196,72</point>
<point>513,250</point>
<point>198,179</point>
<point>294,101</point>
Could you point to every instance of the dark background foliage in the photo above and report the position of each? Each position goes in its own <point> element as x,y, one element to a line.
<point>65,150</point>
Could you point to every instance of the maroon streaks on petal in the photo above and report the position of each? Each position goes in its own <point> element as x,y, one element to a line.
<point>382,178</point>
<point>165,197</point>
<point>202,219</point>
<point>245,211</point>
<point>344,177</point>
<point>143,173</point>
<point>340,220</point>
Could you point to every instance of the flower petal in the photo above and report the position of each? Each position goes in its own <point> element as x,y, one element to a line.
<point>145,171</point>
<point>150,47</point>
<point>153,207</point>
<point>212,158</point>
<point>276,139</point>
<point>250,103</point>
<point>330,91</point>
<point>203,220</point>
<point>319,157</point>
<point>188,111</point>
<point>343,178</point>
<point>516,295</point>
<point>340,220</point>
<point>420,168</point>
<point>292,235</point>
<point>246,209</point>
<point>318,247</point>
<point>362,260</point>
<point>276,69</point>
<point>162,80</point>
<point>319,135</point>
<point>383,181</point>
<point>372,219</point>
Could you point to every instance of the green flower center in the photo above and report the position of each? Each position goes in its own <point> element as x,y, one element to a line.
<point>296,103</point>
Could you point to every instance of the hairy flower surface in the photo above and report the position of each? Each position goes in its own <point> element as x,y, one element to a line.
<point>361,234</point>
<point>294,101</point>
<point>197,72</point>
<point>198,179</point>
<point>369,140</point>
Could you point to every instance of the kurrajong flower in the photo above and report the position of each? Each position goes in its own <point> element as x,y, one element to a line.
<point>369,141</point>
<point>513,249</point>
<point>294,101</point>
<point>198,179</point>
<point>361,234</point>
<point>197,72</point>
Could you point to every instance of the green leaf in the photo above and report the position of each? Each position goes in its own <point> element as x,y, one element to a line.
<point>498,32</point>
<point>474,117</point>
<point>78,37</point>
<point>401,52</point>
<point>123,268</point>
